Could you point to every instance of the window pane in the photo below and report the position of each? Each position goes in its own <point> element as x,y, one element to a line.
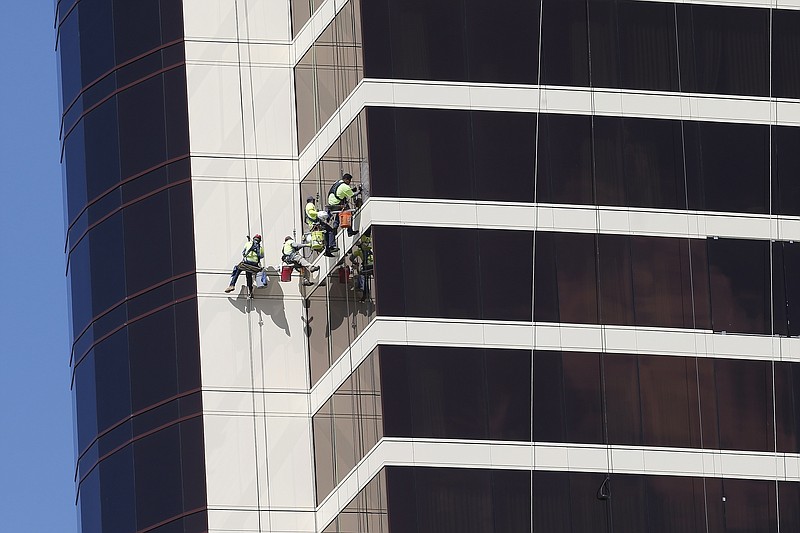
<point>565,50</point>
<point>395,393</point>
<point>661,282</point>
<point>616,280</point>
<point>382,156</point>
<point>433,154</point>
<point>495,249</point>
<point>565,263</point>
<point>621,375</point>
<point>633,45</point>
<point>142,133</point>
<point>785,53</point>
<point>152,359</point>
<point>785,169</point>
<point>428,40</point>
<point>504,147</point>
<point>669,408</point>
<point>724,50</point>
<point>582,397</point>
<point>744,400</point>
<point>159,494</point>
<point>750,505</point>
<point>510,59</point>
<point>727,166</point>
<point>438,264</point>
<point>508,378</point>
<point>740,297</point>
<point>448,393</point>
<point>564,159</point>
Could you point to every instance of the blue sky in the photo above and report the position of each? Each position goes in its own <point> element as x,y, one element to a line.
<point>36,451</point>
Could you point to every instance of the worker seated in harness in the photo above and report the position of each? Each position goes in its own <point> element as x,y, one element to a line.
<point>363,266</point>
<point>338,199</point>
<point>250,264</point>
<point>317,221</point>
<point>291,256</point>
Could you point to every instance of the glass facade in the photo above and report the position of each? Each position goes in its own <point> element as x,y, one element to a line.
<point>555,397</point>
<point>480,501</point>
<point>616,44</point>
<point>700,400</point>
<point>131,267</point>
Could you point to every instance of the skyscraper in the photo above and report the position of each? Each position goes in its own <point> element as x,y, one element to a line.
<point>583,314</point>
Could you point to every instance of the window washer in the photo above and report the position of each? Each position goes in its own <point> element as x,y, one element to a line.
<point>291,256</point>
<point>339,197</point>
<point>315,220</point>
<point>252,255</point>
<point>363,265</point>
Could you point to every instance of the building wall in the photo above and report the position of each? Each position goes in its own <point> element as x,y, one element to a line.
<point>583,213</point>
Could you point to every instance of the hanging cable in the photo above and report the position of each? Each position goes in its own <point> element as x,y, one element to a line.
<point>535,232</point>
<point>691,270</point>
<point>605,488</point>
<point>249,234</point>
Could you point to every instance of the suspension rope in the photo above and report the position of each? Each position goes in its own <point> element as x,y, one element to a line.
<point>535,232</point>
<point>691,273</point>
<point>599,307</point>
<point>250,299</point>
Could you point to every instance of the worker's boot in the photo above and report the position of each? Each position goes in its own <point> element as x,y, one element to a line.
<point>230,288</point>
<point>307,283</point>
<point>314,268</point>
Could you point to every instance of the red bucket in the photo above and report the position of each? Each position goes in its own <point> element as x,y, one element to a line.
<point>345,219</point>
<point>286,273</point>
<point>344,274</point>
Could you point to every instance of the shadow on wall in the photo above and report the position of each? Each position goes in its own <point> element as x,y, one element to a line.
<point>272,306</point>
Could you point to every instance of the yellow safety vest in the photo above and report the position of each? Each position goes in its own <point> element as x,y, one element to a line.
<point>288,247</point>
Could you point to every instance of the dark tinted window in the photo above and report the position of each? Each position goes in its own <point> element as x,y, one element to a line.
<point>616,280</point>
<point>437,265</point>
<point>565,49</point>
<point>785,53</point>
<point>727,166</point>
<point>744,403</point>
<point>433,154</point>
<point>564,161</point>
<point>142,133</point>
<point>739,271</point>
<point>145,237</point>
<point>639,162</point>
<point>508,379</point>
<point>112,379</point>
<point>621,376</point>
<point>382,154</point>
<point>505,152</point>
<point>661,282</point>
<point>448,395</point>
<point>785,169</point>
<point>566,283</point>
<point>668,395</point>
<point>152,359</point>
<point>69,57</point>
<point>502,40</point>
<point>427,39</point>
<point>102,149</point>
<point>97,39</point>
<point>750,505</point>
<point>787,406</point>
<point>118,492</point>
<point>499,250</point>
<point>633,45</point>
<point>724,50</point>
<point>157,459</point>
<point>136,27</point>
